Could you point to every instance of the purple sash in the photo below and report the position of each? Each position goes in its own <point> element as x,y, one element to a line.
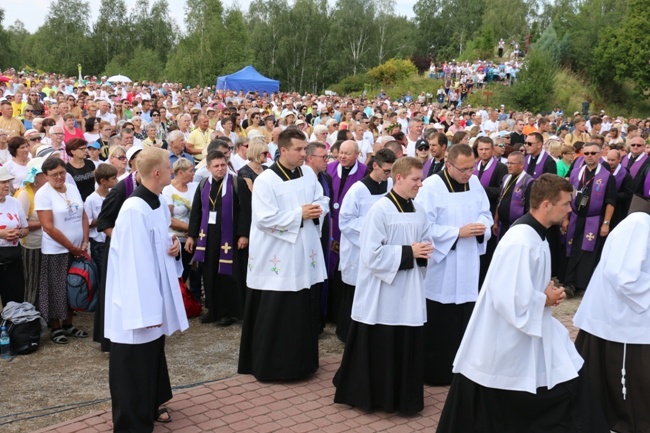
<point>336,200</point>
<point>636,165</point>
<point>227,236</point>
<point>129,184</point>
<point>646,186</point>
<point>619,177</point>
<point>426,167</point>
<point>487,173</point>
<point>539,167</point>
<point>594,211</point>
<point>518,199</point>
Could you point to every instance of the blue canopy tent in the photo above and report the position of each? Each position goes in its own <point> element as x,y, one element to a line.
<point>248,79</point>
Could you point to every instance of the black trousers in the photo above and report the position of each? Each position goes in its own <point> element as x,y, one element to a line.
<point>12,281</point>
<point>139,384</point>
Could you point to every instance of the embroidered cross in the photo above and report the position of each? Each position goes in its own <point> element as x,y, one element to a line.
<point>250,263</point>
<point>313,256</point>
<point>590,237</point>
<point>225,247</point>
<point>275,262</point>
<point>201,235</point>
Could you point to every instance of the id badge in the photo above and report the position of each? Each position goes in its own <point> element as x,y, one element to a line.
<point>212,217</point>
<point>583,201</point>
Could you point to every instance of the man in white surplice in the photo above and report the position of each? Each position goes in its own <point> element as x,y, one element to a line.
<point>285,259</point>
<point>143,299</point>
<point>518,369</point>
<point>458,207</point>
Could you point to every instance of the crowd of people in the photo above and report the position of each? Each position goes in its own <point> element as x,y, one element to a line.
<point>419,229</point>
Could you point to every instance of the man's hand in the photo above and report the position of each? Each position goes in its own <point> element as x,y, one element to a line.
<point>564,226</point>
<point>242,242</point>
<point>311,211</point>
<point>554,295</point>
<point>189,245</point>
<point>604,230</point>
<point>175,248</point>
<point>473,229</point>
<point>495,229</point>
<point>422,250</point>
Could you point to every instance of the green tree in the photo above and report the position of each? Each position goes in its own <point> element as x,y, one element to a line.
<point>10,54</point>
<point>353,22</point>
<point>111,32</point>
<point>535,82</point>
<point>145,65</point>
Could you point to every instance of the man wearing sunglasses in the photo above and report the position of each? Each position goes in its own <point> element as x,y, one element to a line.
<point>636,161</point>
<point>589,221</point>
<point>538,161</point>
<point>458,207</point>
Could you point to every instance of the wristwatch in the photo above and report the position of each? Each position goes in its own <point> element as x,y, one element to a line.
<point>606,223</point>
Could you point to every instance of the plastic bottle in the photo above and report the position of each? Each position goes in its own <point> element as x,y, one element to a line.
<point>5,351</point>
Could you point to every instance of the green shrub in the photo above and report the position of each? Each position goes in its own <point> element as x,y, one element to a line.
<point>353,84</point>
<point>393,71</point>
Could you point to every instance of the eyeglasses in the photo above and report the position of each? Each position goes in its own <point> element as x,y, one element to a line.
<point>29,111</point>
<point>463,171</point>
<point>81,148</point>
<point>423,147</point>
<point>121,158</point>
<point>35,139</point>
<point>155,115</point>
<point>230,148</point>
<point>501,145</point>
<point>58,133</point>
<point>387,172</point>
<point>634,145</point>
<point>513,163</point>
<point>57,174</point>
<point>267,153</point>
<point>137,112</point>
<point>530,143</point>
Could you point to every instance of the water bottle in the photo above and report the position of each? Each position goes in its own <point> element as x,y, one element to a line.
<point>5,351</point>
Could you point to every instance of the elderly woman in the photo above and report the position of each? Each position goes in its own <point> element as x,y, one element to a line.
<point>554,148</point>
<point>19,150</point>
<point>117,157</point>
<point>159,122</point>
<point>65,235</point>
<point>565,161</point>
<point>69,129</point>
<point>32,242</point>
<point>137,127</point>
<point>152,139</point>
<point>320,135</point>
<point>14,227</point>
<point>179,195</point>
<point>80,167</point>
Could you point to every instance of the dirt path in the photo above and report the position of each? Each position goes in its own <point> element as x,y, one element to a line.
<point>59,383</point>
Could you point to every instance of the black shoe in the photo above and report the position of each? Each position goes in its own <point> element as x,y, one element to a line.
<point>226,321</point>
<point>569,290</point>
<point>206,318</point>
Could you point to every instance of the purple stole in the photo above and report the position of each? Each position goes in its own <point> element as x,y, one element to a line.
<point>487,173</point>
<point>636,165</point>
<point>595,208</point>
<point>129,184</point>
<point>619,176</point>
<point>518,199</point>
<point>426,167</point>
<point>539,167</point>
<point>336,200</point>
<point>227,236</point>
<point>646,186</point>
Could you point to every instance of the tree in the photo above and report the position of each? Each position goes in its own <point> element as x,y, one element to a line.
<point>9,51</point>
<point>536,81</point>
<point>112,31</point>
<point>353,23</point>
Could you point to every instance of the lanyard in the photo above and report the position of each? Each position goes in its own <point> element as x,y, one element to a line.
<point>396,202</point>
<point>214,202</point>
<point>451,188</point>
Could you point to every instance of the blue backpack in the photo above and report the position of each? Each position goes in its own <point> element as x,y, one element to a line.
<point>82,284</point>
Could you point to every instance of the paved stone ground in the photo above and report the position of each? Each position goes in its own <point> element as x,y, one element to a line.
<point>241,404</point>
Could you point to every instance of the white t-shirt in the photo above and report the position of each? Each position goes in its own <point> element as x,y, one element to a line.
<point>93,206</point>
<point>364,150</point>
<point>33,239</point>
<point>67,211</point>
<point>19,172</point>
<point>181,203</point>
<point>12,216</point>
<point>5,156</point>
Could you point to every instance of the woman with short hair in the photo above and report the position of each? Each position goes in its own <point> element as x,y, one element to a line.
<point>19,150</point>
<point>80,167</point>
<point>65,236</point>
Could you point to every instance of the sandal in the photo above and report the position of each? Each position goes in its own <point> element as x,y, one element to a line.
<point>58,336</point>
<point>163,415</point>
<point>72,331</point>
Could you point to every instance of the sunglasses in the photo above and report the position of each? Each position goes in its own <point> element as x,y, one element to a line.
<point>137,112</point>
<point>29,111</point>
<point>590,153</point>
<point>530,143</point>
<point>387,172</point>
<point>634,145</point>
<point>155,115</point>
<point>423,147</point>
<point>35,139</point>
<point>121,158</point>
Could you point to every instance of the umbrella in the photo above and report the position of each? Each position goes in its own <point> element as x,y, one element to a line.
<point>4,79</point>
<point>119,79</point>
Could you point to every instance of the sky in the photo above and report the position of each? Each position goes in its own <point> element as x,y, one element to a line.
<point>33,12</point>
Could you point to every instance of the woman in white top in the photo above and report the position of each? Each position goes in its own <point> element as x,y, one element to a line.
<point>117,157</point>
<point>13,226</point>
<point>65,235</point>
<point>17,167</point>
<point>32,242</point>
<point>180,195</point>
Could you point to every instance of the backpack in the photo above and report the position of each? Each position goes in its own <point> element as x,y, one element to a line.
<point>192,306</point>
<point>82,284</point>
<point>25,337</point>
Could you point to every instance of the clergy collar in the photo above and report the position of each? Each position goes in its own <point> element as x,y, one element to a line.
<point>530,220</point>
<point>351,170</point>
<point>402,204</point>
<point>373,186</point>
<point>149,197</point>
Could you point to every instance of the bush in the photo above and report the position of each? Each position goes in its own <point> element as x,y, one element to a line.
<point>535,84</point>
<point>393,71</point>
<point>354,84</point>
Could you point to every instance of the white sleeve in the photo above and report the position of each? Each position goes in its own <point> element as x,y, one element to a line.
<point>382,259</point>
<point>269,218</point>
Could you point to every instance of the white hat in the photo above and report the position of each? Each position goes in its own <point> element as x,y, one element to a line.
<point>5,175</point>
<point>32,132</point>
<point>132,151</point>
<point>438,126</point>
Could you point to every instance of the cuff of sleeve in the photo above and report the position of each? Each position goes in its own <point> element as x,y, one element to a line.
<point>406,261</point>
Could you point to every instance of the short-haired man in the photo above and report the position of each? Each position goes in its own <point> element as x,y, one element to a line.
<point>589,220</point>
<point>280,330</point>
<point>143,300</point>
<point>218,229</point>
<point>383,362</point>
<point>514,197</point>
<point>395,147</point>
<point>579,133</point>
<point>516,359</point>
<point>438,148</point>
<point>636,161</point>
<point>538,161</point>
<point>415,127</point>
<point>199,139</point>
<point>356,204</point>
<point>8,122</point>
<point>458,207</point>
<point>344,172</point>
<point>624,187</point>
<point>517,135</point>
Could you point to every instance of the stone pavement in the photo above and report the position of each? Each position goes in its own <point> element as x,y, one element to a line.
<point>241,404</point>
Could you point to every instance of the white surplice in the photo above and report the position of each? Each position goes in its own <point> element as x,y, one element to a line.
<point>386,295</point>
<point>356,204</point>
<point>512,341</point>
<point>282,255</point>
<point>142,287</point>
<point>616,304</point>
<point>452,277</point>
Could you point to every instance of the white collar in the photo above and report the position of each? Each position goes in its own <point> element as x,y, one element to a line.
<point>339,169</point>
